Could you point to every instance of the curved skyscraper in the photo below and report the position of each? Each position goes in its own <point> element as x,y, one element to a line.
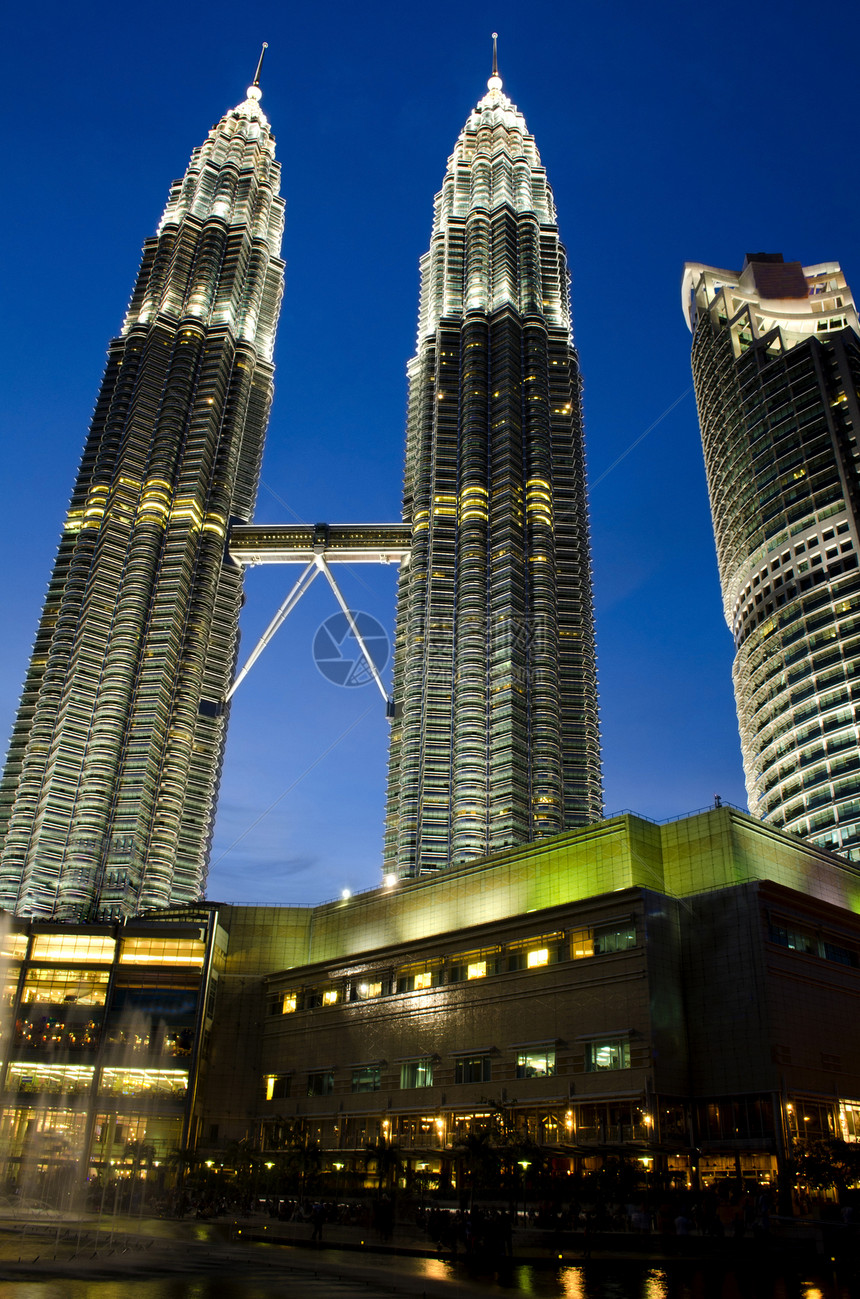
<point>495,738</point>
<point>776,366</point>
<point>109,789</point>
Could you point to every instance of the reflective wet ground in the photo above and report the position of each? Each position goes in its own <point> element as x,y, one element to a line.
<point>596,1280</point>
<point>189,1261</point>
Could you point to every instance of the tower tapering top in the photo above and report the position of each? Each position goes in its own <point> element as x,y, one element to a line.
<point>254,91</point>
<point>495,81</point>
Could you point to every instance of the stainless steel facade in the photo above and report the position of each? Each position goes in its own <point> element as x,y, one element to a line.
<point>495,736</point>
<point>109,788</point>
<point>776,366</point>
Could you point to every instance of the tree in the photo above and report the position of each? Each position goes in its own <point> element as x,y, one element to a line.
<point>388,1158</point>
<point>478,1156</point>
<point>826,1163</point>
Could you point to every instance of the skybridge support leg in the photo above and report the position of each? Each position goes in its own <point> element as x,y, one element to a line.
<point>353,627</point>
<point>308,575</point>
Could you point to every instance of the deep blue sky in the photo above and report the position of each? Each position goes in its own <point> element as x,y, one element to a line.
<point>670,132</point>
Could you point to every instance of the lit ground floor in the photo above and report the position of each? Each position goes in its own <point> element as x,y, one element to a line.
<point>669,1143</point>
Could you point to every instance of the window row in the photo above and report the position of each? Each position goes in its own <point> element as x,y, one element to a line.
<point>101,949</point>
<point>800,940</point>
<point>601,1054</point>
<point>528,954</point>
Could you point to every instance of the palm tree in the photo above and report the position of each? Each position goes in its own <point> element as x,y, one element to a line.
<point>478,1156</point>
<point>388,1158</point>
<point>142,1156</point>
<point>183,1159</point>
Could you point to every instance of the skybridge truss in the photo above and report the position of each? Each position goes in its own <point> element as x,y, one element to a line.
<point>317,546</point>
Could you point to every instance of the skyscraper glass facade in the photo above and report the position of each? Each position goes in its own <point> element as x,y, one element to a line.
<point>109,789</point>
<point>495,737</point>
<point>776,367</point>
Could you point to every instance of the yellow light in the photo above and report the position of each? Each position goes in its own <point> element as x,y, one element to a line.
<point>539,957</point>
<point>477,970</point>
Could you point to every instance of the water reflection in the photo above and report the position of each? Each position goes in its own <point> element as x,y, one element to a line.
<point>591,1280</point>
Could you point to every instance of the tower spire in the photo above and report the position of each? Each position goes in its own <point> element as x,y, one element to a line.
<point>495,81</point>
<point>256,80</point>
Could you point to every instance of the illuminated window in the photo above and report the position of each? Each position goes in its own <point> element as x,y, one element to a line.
<point>61,1079</point>
<point>364,991</point>
<point>415,978</point>
<point>582,944</point>
<point>329,997</point>
<point>611,1053</point>
<point>13,947</point>
<point>616,939</point>
<point>475,965</point>
<point>144,1082</point>
<point>849,1121</point>
<point>321,1084</point>
<point>366,1078</point>
<point>602,941</point>
<point>289,1003</point>
<point>472,1069</point>
<point>66,987</point>
<point>162,951</point>
<point>277,1086</point>
<point>537,1063</point>
<point>416,1073</point>
<point>73,947</point>
<point>536,951</point>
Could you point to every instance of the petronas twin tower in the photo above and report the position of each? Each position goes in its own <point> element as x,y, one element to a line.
<point>109,792</point>
<point>495,740</point>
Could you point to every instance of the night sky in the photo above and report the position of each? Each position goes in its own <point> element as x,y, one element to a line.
<point>670,132</point>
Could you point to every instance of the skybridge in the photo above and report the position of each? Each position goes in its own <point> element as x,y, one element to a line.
<point>317,546</point>
<point>339,543</point>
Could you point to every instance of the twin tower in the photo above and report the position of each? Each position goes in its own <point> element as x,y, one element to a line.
<point>108,796</point>
<point>109,792</point>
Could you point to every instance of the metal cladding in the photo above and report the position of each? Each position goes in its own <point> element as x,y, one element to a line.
<point>495,737</point>
<point>108,794</point>
<point>776,366</point>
